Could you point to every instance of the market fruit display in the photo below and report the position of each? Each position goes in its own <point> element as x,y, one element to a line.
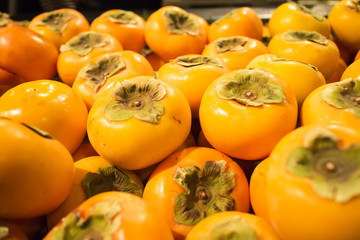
<point>166,125</point>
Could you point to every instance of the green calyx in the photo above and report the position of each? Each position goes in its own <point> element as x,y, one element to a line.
<point>230,14</point>
<point>307,10</point>
<point>235,228</point>
<point>304,35</point>
<point>4,19</point>
<point>181,23</point>
<point>334,172</point>
<point>192,61</point>
<point>56,21</point>
<point>355,5</point>
<point>250,87</point>
<point>38,131</point>
<point>109,179</point>
<point>84,42</point>
<point>235,43</point>
<point>101,224</point>
<point>206,193</point>
<point>105,66</point>
<point>122,17</point>
<point>139,99</point>
<point>344,95</point>
<point>4,232</point>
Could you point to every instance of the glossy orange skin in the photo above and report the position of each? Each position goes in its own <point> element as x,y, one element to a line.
<point>84,150</point>
<point>288,17</point>
<point>283,198</point>
<point>246,22</point>
<point>8,80</point>
<point>139,220</point>
<point>169,46</point>
<point>76,25</point>
<point>246,132</point>
<point>39,165</point>
<point>131,36</point>
<point>345,19</point>
<point>15,233</point>
<point>324,57</point>
<point>135,65</point>
<point>237,59</point>
<point>191,81</point>
<point>155,61</point>
<point>49,105</point>
<point>316,111</point>
<point>69,63</point>
<point>302,78</point>
<point>77,195</point>
<point>352,71</point>
<point>27,54</point>
<point>262,228</point>
<point>134,144</point>
<point>336,75</point>
<point>357,56</point>
<point>161,189</point>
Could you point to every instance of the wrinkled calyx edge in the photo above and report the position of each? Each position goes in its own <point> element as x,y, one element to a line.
<point>181,23</point>
<point>304,35</point>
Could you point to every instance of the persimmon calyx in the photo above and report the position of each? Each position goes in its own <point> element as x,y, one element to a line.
<point>101,223</point>
<point>146,51</point>
<point>235,228</point>
<point>84,42</point>
<point>355,5</point>
<point>122,16</point>
<point>38,131</point>
<point>109,179</point>
<point>344,95</point>
<point>4,19</point>
<point>235,43</point>
<point>139,99</point>
<point>192,61</point>
<point>304,35</point>
<point>228,15</point>
<point>4,231</point>
<point>206,192</point>
<point>56,21</point>
<point>181,23</point>
<point>250,87</point>
<point>307,10</point>
<point>105,66</point>
<point>334,172</point>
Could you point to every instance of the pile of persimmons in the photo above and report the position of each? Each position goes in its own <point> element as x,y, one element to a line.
<point>178,128</point>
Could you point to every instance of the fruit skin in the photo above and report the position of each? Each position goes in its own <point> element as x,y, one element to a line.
<point>15,232</point>
<point>27,54</point>
<point>35,172</point>
<point>49,105</point>
<point>352,71</point>
<point>283,198</point>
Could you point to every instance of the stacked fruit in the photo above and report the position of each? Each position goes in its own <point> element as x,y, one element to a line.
<point>176,128</point>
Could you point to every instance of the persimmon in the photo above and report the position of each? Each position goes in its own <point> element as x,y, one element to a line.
<point>9,80</point>
<point>352,71</point>
<point>5,20</point>
<point>36,171</point>
<point>232,224</point>
<point>27,54</point>
<point>339,71</point>
<point>334,103</point>
<point>236,51</point>
<point>243,21</point>
<point>155,60</point>
<point>59,25</point>
<point>172,32</point>
<point>192,74</point>
<point>312,171</point>
<point>303,78</point>
<point>129,124</point>
<point>32,227</point>
<point>10,231</point>
<point>126,26</point>
<point>193,184</point>
<point>357,56</point>
<point>112,215</point>
<point>344,18</point>
<point>308,47</point>
<point>84,150</point>
<point>244,113</point>
<point>295,16</point>
<point>80,50</point>
<point>94,175</point>
<point>99,74</point>
<point>49,105</point>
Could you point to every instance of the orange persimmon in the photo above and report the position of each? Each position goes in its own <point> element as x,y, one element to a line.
<point>352,71</point>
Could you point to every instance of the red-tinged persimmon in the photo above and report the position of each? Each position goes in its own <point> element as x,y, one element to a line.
<point>114,216</point>
<point>193,184</point>
<point>9,80</point>
<point>27,54</point>
<point>59,25</point>
<point>242,21</point>
<point>312,171</point>
<point>172,32</point>
<point>244,113</point>
<point>339,71</point>
<point>126,26</point>
<point>352,71</point>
